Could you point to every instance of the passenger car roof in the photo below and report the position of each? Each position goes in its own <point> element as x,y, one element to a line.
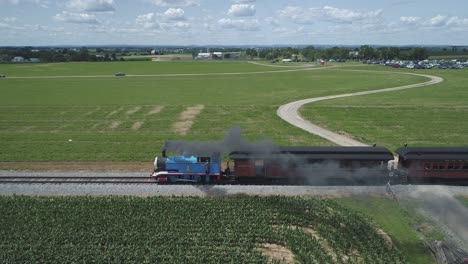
<point>319,153</point>
<point>433,153</point>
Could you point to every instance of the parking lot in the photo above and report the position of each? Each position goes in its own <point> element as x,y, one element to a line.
<point>424,64</point>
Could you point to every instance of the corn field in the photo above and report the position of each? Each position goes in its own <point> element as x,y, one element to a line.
<point>185,230</point>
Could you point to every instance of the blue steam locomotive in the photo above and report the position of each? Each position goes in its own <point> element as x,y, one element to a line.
<point>187,168</point>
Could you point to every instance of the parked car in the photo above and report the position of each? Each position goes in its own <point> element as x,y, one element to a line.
<point>2,76</point>
<point>120,74</point>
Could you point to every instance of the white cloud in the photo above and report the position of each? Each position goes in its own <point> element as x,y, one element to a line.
<point>242,10</point>
<point>456,21</point>
<point>298,15</point>
<point>147,21</point>
<point>410,19</point>
<point>38,27</point>
<point>77,18</point>
<point>174,14</point>
<point>240,24</point>
<point>14,2</point>
<point>10,19</point>
<point>92,5</point>
<point>43,3</point>
<point>272,21</point>
<point>174,2</point>
<point>301,15</point>
<point>182,25</point>
<point>438,20</point>
<point>347,15</point>
<point>8,26</point>
<point>244,1</point>
<point>167,21</point>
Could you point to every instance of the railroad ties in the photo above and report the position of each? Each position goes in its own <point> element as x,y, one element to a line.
<point>75,179</point>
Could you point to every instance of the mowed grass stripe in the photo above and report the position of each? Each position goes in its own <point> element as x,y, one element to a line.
<point>136,68</point>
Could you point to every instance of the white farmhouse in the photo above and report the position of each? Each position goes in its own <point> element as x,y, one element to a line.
<point>17,59</point>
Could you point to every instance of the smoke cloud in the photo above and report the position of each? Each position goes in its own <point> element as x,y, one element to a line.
<point>439,203</point>
<point>232,141</point>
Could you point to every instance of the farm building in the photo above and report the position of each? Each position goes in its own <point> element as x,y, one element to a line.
<point>204,55</point>
<point>209,55</point>
<point>17,59</point>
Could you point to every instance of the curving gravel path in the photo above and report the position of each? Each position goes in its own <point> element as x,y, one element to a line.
<point>290,112</point>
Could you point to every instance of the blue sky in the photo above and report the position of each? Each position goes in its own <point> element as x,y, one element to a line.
<point>233,22</point>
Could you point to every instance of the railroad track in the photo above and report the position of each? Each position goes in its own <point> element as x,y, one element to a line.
<point>76,179</point>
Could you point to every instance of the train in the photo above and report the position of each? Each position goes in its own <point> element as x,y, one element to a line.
<point>317,165</point>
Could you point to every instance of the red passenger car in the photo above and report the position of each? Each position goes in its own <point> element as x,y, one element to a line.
<point>313,165</point>
<point>433,164</point>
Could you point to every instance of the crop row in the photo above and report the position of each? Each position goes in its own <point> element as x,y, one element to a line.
<point>185,230</point>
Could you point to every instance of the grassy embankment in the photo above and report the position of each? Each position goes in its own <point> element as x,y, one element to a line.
<point>128,118</point>
<point>398,220</point>
<point>428,116</point>
<point>190,230</point>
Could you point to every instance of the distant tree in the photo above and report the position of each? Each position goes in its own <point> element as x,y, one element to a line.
<point>394,53</point>
<point>366,52</point>
<point>83,54</point>
<point>106,57</point>
<point>114,57</point>
<point>58,57</point>
<point>227,55</point>
<point>286,54</point>
<point>92,58</point>
<point>251,53</point>
<point>263,53</point>
<point>419,54</point>
<point>194,53</point>
<point>309,53</point>
<point>270,56</point>
<point>383,53</point>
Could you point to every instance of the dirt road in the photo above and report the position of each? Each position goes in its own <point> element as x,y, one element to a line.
<point>290,112</point>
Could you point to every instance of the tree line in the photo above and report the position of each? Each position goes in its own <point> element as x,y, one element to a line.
<point>57,54</point>
<point>309,53</point>
<point>364,52</point>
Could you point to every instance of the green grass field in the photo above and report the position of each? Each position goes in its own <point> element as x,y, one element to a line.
<point>128,118</point>
<point>128,67</point>
<point>397,220</point>
<point>191,230</point>
<point>428,116</point>
<point>464,200</point>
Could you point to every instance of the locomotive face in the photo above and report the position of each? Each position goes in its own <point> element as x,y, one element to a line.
<point>160,164</point>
